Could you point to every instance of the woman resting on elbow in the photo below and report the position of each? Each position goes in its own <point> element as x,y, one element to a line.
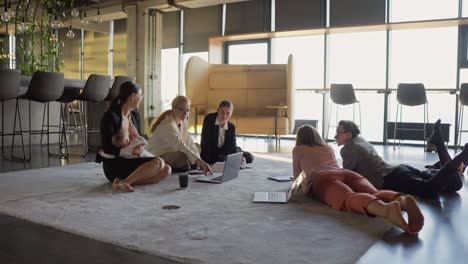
<point>171,140</point>
<point>121,171</point>
<point>345,190</point>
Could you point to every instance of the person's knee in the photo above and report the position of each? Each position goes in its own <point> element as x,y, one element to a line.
<point>166,171</point>
<point>158,162</point>
<point>454,185</point>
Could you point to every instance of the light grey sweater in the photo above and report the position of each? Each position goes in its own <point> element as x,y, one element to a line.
<point>360,156</point>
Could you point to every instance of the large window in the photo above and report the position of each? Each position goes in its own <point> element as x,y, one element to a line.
<point>360,59</point>
<point>413,10</point>
<point>308,57</point>
<point>169,76</point>
<point>248,52</point>
<point>427,56</point>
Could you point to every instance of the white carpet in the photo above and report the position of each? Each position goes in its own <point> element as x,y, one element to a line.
<point>215,223</point>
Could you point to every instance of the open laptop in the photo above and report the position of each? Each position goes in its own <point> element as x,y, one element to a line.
<point>278,197</point>
<point>230,171</point>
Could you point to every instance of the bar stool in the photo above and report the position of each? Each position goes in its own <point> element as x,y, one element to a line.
<point>96,90</point>
<point>463,99</point>
<point>10,80</point>
<point>342,94</point>
<point>118,81</point>
<point>65,101</point>
<point>410,94</point>
<point>45,87</point>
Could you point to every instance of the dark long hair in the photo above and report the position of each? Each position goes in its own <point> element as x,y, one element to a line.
<point>126,89</point>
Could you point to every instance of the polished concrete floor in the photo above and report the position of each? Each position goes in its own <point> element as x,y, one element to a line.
<point>444,238</point>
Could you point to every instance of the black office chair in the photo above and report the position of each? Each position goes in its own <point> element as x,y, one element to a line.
<point>342,94</point>
<point>44,87</point>
<point>410,94</point>
<point>10,89</point>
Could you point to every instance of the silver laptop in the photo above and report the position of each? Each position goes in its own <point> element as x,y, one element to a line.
<point>278,197</point>
<point>230,171</point>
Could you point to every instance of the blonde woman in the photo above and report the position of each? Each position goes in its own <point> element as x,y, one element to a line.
<point>345,190</point>
<point>171,140</point>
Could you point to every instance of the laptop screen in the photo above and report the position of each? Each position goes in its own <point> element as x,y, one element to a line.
<point>296,183</point>
<point>232,166</point>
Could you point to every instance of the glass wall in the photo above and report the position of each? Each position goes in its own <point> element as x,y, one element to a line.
<point>413,10</point>
<point>70,53</point>
<point>120,48</point>
<point>360,59</point>
<point>169,76</point>
<point>249,53</point>
<point>367,60</point>
<point>308,55</point>
<point>427,56</point>
<point>96,53</point>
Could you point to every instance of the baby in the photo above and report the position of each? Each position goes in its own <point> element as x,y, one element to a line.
<point>130,142</point>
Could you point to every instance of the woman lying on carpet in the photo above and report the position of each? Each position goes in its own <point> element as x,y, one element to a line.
<point>218,137</point>
<point>124,172</point>
<point>345,190</point>
<point>171,139</point>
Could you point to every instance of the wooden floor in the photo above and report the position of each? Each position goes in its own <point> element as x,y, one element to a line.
<point>444,238</point>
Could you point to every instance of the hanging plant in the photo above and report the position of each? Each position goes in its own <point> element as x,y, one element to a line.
<point>38,46</point>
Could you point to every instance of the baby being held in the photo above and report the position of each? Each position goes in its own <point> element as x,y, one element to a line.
<point>131,145</point>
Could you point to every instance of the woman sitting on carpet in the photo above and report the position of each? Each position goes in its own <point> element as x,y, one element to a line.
<point>219,135</point>
<point>123,172</point>
<point>345,190</point>
<point>171,140</point>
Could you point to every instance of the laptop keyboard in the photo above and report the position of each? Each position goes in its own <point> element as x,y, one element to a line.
<point>217,178</point>
<point>274,196</point>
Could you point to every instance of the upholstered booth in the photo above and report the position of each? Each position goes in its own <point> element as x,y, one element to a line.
<point>254,90</point>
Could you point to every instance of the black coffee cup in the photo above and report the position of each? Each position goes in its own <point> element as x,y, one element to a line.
<point>183,180</point>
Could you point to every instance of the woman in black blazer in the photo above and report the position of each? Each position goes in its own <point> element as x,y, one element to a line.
<point>213,147</point>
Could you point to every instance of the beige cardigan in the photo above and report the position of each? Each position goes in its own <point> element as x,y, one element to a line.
<point>168,138</point>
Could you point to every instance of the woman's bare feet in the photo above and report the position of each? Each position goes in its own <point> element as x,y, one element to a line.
<point>118,184</point>
<point>393,215</point>
<point>415,217</point>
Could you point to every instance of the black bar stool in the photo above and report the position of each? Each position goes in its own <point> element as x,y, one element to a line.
<point>342,94</point>
<point>118,81</point>
<point>45,87</point>
<point>410,94</point>
<point>10,89</point>
<point>95,90</point>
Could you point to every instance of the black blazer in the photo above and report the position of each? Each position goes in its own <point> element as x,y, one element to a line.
<point>210,152</point>
<point>111,123</point>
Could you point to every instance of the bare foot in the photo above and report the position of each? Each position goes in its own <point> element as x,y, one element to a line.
<point>415,217</point>
<point>118,184</point>
<point>393,212</point>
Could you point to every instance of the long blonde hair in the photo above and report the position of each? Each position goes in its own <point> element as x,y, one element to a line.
<point>178,100</point>
<point>308,135</point>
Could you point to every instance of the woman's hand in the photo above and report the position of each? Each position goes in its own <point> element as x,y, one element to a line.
<point>203,166</point>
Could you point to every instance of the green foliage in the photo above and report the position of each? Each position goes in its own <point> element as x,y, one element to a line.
<point>37,47</point>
